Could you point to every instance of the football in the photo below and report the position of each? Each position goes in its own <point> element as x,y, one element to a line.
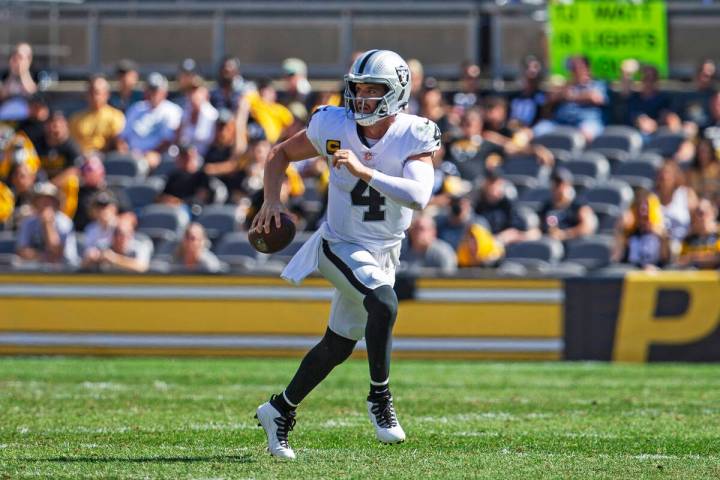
<point>277,238</point>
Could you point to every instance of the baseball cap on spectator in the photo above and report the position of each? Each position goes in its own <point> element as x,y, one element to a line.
<point>125,65</point>
<point>294,66</point>
<point>561,175</point>
<point>224,116</point>
<point>156,81</point>
<point>46,189</point>
<point>188,66</point>
<point>103,199</point>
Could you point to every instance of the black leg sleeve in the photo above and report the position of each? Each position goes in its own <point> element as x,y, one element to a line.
<point>381,305</point>
<point>331,351</point>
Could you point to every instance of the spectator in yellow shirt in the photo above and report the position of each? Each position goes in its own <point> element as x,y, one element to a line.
<point>272,116</point>
<point>98,127</point>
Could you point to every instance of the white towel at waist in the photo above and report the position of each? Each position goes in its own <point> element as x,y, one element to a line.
<point>305,261</point>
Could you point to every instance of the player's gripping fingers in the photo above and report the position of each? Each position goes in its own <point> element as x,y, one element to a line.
<point>255,221</point>
<point>276,216</point>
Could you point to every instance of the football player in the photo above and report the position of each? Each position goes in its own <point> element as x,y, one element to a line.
<point>381,170</point>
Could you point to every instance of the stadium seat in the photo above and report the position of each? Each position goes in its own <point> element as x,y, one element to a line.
<point>591,252</point>
<point>618,137</point>
<point>566,139</point>
<point>614,193</point>
<point>524,172</point>
<point>164,168</point>
<point>589,169</point>
<point>533,198</point>
<point>665,143</point>
<point>614,270</point>
<point>652,158</point>
<point>608,217</point>
<point>528,218</point>
<point>7,247</point>
<point>312,199</point>
<point>121,169</point>
<point>613,155</point>
<point>165,250</point>
<point>535,254</point>
<point>561,155</point>
<point>636,174</point>
<point>163,222</point>
<point>235,250</point>
<point>218,220</point>
<point>144,192</point>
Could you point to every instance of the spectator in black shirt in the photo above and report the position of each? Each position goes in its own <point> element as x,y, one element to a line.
<point>495,116</point>
<point>34,125</point>
<point>499,211</point>
<point>187,184</point>
<point>644,107</point>
<point>58,153</point>
<point>565,217</point>
<point>470,152</point>
<point>526,107</point>
<point>222,159</point>
<point>693,106</point>
<point>469,92</point>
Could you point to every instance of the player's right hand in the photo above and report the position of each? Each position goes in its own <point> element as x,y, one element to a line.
<point>269,211</point>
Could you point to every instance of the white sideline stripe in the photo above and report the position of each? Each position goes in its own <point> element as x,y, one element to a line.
<point>486,295</point>
<point>269,342</point>
<point>164,292</point>
<point>267,293</point>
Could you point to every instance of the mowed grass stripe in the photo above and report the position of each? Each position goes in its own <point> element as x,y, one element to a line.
<point>192,418</point>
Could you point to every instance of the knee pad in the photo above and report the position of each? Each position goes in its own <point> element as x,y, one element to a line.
<point>381,303</point>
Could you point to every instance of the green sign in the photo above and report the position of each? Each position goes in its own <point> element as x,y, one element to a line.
<point>608,32</point>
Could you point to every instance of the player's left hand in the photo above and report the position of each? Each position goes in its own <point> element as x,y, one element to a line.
<point>352,163</point>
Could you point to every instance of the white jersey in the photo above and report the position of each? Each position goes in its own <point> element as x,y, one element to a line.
<point>356,212</point>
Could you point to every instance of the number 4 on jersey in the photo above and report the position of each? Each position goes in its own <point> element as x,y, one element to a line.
<point>373,200</point>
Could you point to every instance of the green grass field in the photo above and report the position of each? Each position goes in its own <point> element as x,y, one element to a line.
<point>193,418</point>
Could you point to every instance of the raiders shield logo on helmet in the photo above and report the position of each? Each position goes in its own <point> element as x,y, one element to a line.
<point>403,74</point>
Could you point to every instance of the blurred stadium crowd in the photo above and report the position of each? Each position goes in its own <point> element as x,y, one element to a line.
<point>553,178</point>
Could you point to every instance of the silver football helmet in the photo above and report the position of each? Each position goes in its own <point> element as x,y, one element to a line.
<point>382,67</point>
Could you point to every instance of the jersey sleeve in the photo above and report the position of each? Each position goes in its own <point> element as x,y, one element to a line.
<point>315,129</point>
<point>426,136</point>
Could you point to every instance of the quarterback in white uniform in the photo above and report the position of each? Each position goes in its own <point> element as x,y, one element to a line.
<point>381,170</point>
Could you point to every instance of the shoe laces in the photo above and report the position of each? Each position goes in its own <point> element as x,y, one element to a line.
<point>384,411</point>
<point>285,423</point>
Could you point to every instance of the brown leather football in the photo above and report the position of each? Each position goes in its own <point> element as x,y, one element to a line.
<point>277,239</point>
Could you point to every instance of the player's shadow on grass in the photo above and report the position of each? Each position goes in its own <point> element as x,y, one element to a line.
<point>209,458</point>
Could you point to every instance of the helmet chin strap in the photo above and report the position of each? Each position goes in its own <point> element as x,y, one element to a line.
<point>367,121</point>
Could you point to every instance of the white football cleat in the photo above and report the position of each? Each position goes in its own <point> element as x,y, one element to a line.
<point>382,415</point>
<point>276,426</point>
